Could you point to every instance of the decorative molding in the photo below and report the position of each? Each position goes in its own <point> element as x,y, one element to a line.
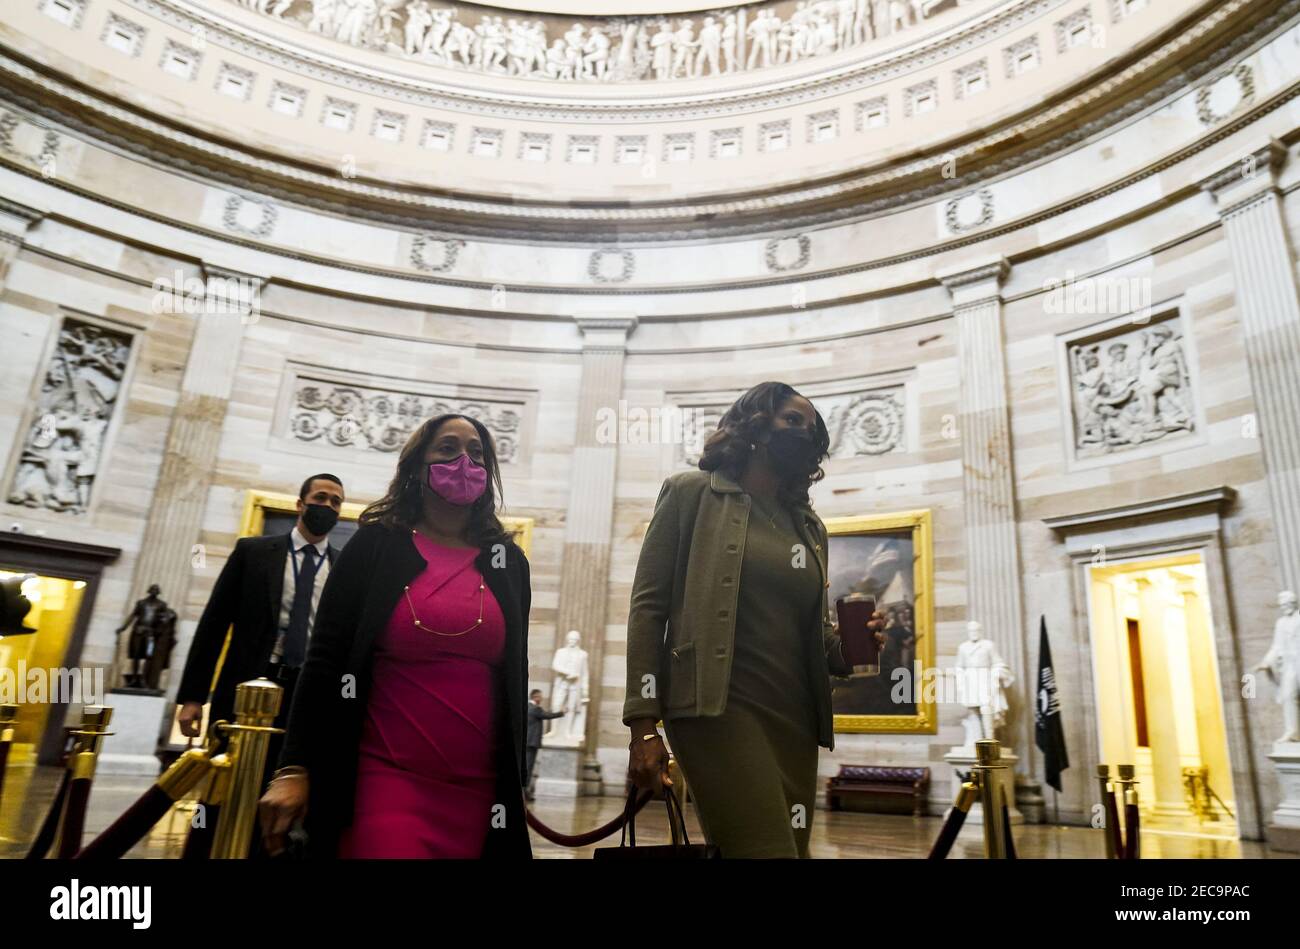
<point>495,138</point>
<point>629,145</point>
<point>596,262</point>
<point>534,138</point>
<point>77,9</point>
<point>234,211</point>
<point>390,119</point>
<point>913,93</point>
<point>1011,55</point>
<point>1218,499</point>
<point>1267,159</point>
<point>821,118</point>
<point>576,142</point>
<point>1063,28</point>
<point>528,216</point>
<point>717,137</point>
<point>172,48</point>
<point>239,72</point>
<point>952,211</point>
<point>433,125</point>
<point>765,131</point>
<point>617,49</point>
<point>422,259</point>
<point>866,107</point>
<point>961,39</point>
<point>332,106</point>
<point>115,23</point>
<point>771,251</point>
<point>1243,76</point>
<point>678,138</point>
<point>371,419</point>
<point>978,68</point>
<point>279,88</point>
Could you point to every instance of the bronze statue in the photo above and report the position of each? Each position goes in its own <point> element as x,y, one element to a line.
<point>152,638</point>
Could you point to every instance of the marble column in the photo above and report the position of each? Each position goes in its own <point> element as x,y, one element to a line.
<point>167,552</point>
<point>584,575</point>
<point>1250,207</point>
<point>988,489</point>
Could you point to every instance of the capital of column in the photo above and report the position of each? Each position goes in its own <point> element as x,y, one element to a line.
<point>606,333</point>
<point>232,291</point>
<point>16,219</point>
<point>1247,178</point>
<point>975,282</point>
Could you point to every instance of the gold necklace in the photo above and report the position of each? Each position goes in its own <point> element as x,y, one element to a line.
<point>428,629</point>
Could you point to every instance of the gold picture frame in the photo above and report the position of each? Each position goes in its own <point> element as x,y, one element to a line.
<point>257,503</point>
<point>915,580</point>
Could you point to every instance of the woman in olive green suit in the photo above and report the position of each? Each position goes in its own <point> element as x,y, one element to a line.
<point>729,640</point>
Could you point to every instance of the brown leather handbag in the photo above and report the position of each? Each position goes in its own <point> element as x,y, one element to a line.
<point>680,849</point>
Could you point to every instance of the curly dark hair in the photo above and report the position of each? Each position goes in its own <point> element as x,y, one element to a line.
<point>728,449</point>
<point>403,505</point>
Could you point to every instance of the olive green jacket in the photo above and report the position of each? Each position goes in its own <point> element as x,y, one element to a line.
<point>681,627</point>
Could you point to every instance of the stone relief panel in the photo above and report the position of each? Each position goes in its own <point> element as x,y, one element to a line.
<point>611,48</point>
<point>60,456</point>
<point>374,419</point>
<point>866,423</point>
<point>1129,388</point>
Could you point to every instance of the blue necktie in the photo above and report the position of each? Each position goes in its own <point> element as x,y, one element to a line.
<point>295,639</point>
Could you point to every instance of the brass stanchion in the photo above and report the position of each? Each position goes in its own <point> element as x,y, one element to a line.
<point>988,755</point>
<point>257,703</point>
<point>8,721</point>
<point>198,845</point>
<point>1132,830</point>
<point>1111,832</point>
<point>966,797</point>
<point>82,760</point>
<point>188,770</point>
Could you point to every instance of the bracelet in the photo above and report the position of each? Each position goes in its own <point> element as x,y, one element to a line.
<point>292,771</point>
<point>650,737</point>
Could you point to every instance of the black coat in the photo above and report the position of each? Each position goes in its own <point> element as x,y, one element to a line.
<point>329,708</point>
<point>249,595</point>
<point>537,715</point>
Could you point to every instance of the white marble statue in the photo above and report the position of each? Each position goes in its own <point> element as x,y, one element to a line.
<point>615,48</point>
<point>982,678</point>
<point>1282,663</point>
<point>570,693</point>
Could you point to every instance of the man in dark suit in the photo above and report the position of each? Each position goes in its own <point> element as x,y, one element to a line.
<point>268,592</point>
<point>536,715</point>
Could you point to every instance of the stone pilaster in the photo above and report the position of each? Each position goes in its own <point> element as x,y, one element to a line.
<point>15,221</point>
<point>176,515</point>
<point>1250,207</point>
<point>584,576</point>
<point>988,486</point>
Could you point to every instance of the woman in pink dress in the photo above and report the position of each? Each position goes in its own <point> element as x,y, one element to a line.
<point>406,737</point>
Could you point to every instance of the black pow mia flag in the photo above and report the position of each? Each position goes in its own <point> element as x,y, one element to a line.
<point>1048,734</point>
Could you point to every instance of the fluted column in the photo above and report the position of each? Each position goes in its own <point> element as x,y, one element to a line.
<point>1250,207</point>
<point>988,487</point>
<point>176,514</point>
<point>584,574</point>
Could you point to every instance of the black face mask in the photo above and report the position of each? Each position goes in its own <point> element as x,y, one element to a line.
<point>320,518</point>
<point>791,453</point>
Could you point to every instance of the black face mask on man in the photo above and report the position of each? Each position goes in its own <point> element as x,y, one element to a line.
<point>320,518</point>
<point>792,453</point>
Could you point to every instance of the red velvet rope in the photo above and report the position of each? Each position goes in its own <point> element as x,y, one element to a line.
<point>592,836</point>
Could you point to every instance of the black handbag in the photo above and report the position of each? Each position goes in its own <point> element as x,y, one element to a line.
<point>680,849</point>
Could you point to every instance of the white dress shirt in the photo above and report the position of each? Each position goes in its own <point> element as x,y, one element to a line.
<point>296,543</point>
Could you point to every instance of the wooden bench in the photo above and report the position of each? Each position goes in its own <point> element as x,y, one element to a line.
<point>879,790</point>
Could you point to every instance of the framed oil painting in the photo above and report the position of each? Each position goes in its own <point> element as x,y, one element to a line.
<point>887,557</point>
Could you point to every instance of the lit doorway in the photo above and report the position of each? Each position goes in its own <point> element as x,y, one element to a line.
<point>1159,704</point>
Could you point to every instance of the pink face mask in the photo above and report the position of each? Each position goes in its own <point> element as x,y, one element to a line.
<point>459,482</point>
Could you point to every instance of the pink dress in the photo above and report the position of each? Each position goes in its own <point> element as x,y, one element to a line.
<point>426,778</point>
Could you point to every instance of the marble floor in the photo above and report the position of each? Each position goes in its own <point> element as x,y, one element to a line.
<point>28,792</point>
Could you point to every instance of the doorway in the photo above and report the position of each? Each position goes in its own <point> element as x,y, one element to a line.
<point>1159,703</point>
